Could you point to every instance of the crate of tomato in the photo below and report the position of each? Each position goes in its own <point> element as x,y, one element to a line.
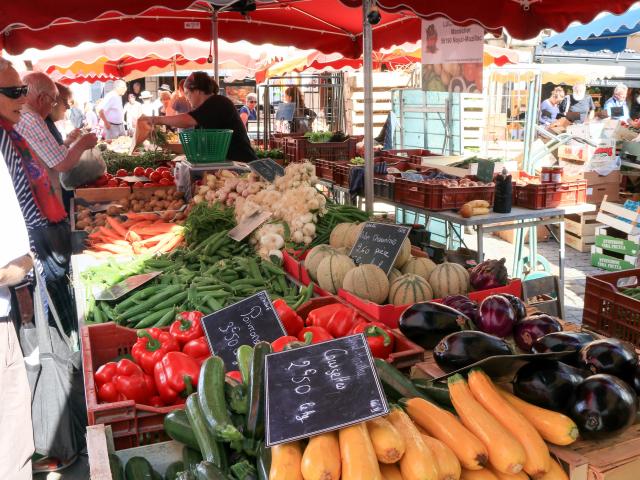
<point>137,178</point>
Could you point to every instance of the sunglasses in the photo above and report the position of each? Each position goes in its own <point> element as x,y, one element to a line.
<point>252,101</point>
<point>15,92</point>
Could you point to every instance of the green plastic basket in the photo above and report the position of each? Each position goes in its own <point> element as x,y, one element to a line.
<point>206,145</point>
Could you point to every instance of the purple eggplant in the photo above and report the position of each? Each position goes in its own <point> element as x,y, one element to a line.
<point>489,274</point>
<point>461,349</point>
<point>602,406</point>
<point>426,323</point>
<point>610,356</point>
<point>547,383</point>
<point>528,330</point>
<point>517,304</point>
<point>562,342</point>
<point>496,316</point>
<point>463,304</point>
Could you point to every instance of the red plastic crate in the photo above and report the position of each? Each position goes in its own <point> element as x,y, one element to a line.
<point>405,353</point>
<point>132,424</point>
<point>609,312</point>
<point>550,195</point>
<point>299,149</point>
<point>439,197</point>
<point>341,174</point>
<point>324,169</point>
<point>390,314</point>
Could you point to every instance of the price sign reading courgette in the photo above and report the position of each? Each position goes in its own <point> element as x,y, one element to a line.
<point>244,323</point>
<point>319,388</point>
<point>379,244</point>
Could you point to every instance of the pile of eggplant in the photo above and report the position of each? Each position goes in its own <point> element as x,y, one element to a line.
<point>596,385</point>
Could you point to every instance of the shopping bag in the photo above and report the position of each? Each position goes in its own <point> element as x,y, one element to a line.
<point>55,378</point>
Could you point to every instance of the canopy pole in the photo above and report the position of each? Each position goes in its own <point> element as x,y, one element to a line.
<point>367,51</point>
<point>175,74</point>
<point>214,27</point>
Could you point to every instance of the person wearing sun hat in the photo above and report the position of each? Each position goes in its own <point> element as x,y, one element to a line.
<point>148,107</point>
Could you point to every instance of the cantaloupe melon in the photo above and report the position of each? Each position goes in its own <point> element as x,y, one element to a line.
<point>353,234</point>
<point>368,282</point>
<point>449,279</point>
<point>339,234</point>
<point>393,274</point>
<point>343,251</point>
<point>404,254</point>
<point>409,289</point>
<point>314,257</point>
<point>332,270</point>
<point>420,266</point>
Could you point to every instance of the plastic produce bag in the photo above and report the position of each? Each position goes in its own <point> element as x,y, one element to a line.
<point>90,167</point>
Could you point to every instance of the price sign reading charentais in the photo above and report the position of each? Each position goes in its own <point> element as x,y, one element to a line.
<point>267,169</point>
<point>244,323</point>
<point>379,244</point>
<point>319,388</point>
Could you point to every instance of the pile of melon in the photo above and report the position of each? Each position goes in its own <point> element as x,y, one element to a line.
<point>412,280</point>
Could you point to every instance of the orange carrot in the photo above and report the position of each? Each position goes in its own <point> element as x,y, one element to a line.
<point>108,233</point>
<point>142,216</point>
<point>132,236</point>
<point>115,224</point>
<point>155,239</point>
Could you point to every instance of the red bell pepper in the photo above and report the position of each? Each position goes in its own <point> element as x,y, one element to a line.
<point>176,375</point>
<point>290,319</point>
<point>379,337</point>
<point>319,334</point>
<point>337,319</point>
<point>151,346</point>
<point>236,375</point>
<point>123,380</point>
<point>279,343</point>
<point>198,349</point>
<point>187,327</point>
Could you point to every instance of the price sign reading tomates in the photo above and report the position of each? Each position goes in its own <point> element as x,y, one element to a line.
<point>319,388</point>
<point>244,323</point>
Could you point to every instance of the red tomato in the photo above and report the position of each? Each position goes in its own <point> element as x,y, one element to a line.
<point>109,176</point>
<point>102,181</point>
<point>155,177</point>
<point>148,172</point>
<point>150,184</point>
<point>167,175</point>
<point>124,184</point>
<point>138,185</point>
<point>162,169</point>
<point>138,171</point>
<point>112,182</point>
<point>166,182</point>
<point>122,173</point>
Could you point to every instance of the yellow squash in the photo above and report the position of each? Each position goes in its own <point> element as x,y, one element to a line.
<point>387,442</point>
<point>444,426</point>
<point>483,474</point>
<point>554,427</point>
<point>321,458</point>
<point>286,459</point>
<point>506,476</point>
<point>448,464</point>
<point>538,460</point>
<point>418,461</point>
<point>390,471</point>
<point>358,458</point>
<point>555,472</point>
<point>505,452</point>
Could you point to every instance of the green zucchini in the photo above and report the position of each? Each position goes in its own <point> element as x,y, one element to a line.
<point>208,471</point>
<point>115,465</point>
<point>211,450</point>
<point>394,383</point>
<point>173,470</point>
<point>186,475</point>
<point>236,395</point>
<point>255,415</point>
<point>436,392</point>
<point>213,402</point>
<point>190,458</point>
<point>177,426</point>
<point>138,468</point>
<point>244,355</point>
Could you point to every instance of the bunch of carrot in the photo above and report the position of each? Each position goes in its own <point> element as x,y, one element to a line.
<point>141,233</point>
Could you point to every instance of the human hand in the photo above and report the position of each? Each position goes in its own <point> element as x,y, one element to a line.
<point>87,141</point>
<point>72,136</point>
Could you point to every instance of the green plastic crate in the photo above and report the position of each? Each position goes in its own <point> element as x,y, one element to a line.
<point>206,145</point>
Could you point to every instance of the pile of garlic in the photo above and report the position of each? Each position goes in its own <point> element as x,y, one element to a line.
<point>226,187</point>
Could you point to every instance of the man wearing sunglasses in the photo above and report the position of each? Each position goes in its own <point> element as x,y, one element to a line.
<point>42,98</point>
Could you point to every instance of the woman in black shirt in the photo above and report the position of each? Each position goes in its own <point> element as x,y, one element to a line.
<point>210,110</point>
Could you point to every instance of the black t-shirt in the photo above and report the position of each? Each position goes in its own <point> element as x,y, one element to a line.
<point>582,106</point>
<point>220,112</point>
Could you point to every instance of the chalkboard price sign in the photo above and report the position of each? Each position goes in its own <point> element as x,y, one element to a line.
<point>319,388</point>
<point>267,169</point>
<point>244,323</point>
<point>379,244</point>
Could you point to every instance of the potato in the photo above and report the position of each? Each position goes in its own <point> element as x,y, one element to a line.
<point>112,210</point>
<point>81,225</point>
<point>160,193</point>
<point>178,194</point>
<point>168,216</point>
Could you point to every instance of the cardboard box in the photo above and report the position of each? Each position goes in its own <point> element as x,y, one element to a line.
<point>599,186</point>
<point>597,156</point>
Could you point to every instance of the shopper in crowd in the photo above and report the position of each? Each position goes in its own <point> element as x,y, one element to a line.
<point>148,107</point>
<point>76,115</point>
<point>303,117</point>
<point>248,111</point>
<point>136,89</point>
<point>549,109</point>
<point>42,99</point>
<point>165,103</point>
<point>616,106</point>
<point>157,104</point>
<point>578,107</point>
<point>132,111</point>
<point>58,114</point>
<point>111,111</point>
<point>560,92</point>
<point>90,117</point>
<point>179,103</point>
<point>210,110</point>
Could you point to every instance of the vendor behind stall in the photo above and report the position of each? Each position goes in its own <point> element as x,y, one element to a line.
<point>579,106</point>
<point>616,106</point>
<point>210,110</point>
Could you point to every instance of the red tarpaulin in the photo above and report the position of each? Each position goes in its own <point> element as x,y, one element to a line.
<point>325,25</point>
<point>523,19</point>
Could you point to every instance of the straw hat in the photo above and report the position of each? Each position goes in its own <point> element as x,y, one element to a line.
<point>146,94</point>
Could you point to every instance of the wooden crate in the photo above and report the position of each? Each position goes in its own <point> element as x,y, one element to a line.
<point>609,215</point>
<point>582,225</point>
<point>100,444</point>
<point>102,195</point>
